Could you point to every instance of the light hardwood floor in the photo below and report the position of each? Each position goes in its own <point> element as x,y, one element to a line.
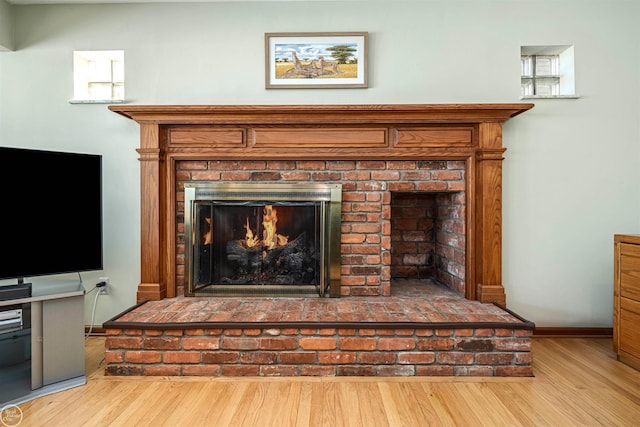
<point>577,382</point>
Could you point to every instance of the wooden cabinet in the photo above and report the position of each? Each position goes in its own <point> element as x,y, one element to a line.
<point>626,299</point>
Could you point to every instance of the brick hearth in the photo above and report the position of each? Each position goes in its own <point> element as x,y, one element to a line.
<point>421,329</point>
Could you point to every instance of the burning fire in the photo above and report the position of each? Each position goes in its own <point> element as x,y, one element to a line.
<point>270,237</point>
<point>249,237</point>
<point>207,235</point>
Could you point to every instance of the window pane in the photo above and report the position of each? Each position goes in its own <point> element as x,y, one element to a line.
<point>98,75</point>
<point>99,91</point>
<point>526,87</point>
<point>118,91</point>
<point>547,71</point>
<point>547,65</point>
<point>100,71</point>
<point>118,71</point>
<point>526,67</point>
<point>548,86</point>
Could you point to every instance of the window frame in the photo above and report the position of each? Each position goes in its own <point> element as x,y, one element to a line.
<point>563,72</point>
<point>95,68</point>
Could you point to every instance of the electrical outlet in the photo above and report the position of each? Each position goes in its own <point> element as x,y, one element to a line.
<point>105,289</point>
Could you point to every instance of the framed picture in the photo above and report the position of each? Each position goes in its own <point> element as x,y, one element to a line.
<point>316,60</point>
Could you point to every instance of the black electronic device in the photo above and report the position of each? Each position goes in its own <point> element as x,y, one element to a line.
<point>17,291</point>
<point>51,213</point>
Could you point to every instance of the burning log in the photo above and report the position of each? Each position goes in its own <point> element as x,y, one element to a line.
<point>293,259</point>
<point>247,257</point>
<point>298,245</point>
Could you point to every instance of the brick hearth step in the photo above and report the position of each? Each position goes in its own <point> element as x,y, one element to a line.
<point>422,329</point>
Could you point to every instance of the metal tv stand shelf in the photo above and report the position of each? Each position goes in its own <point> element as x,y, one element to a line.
<point>56,359</point>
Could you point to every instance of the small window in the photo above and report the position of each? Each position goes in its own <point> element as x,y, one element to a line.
<point>98,76</point>
<point>547,72</point>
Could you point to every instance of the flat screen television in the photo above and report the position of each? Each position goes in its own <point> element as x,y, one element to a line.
<point>50,212</point>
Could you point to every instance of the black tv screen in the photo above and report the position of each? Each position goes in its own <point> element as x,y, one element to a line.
<point>51,212</point>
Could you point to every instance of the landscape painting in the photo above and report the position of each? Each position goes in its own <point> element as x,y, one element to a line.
<point>316,60</point>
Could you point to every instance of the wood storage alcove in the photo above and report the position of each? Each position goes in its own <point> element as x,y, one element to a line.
<point>470,133</point>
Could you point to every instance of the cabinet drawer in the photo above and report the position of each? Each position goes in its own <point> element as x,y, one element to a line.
<point>630,271</point>
<point>629,330</point>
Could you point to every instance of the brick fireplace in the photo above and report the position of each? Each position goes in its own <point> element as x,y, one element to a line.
<point>421,199</point>
<point>400,219</point>
<point>325,139</point>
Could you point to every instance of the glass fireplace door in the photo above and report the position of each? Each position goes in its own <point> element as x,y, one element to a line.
<point>256,242</point>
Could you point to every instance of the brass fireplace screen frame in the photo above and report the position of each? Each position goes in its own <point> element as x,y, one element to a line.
<point>329,197</point>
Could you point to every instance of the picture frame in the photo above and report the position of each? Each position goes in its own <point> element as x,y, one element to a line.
<point>316,60</point>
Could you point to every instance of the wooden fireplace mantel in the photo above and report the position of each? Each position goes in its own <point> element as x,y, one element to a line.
<point>469,132</point>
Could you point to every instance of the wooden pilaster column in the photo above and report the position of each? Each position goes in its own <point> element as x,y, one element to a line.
<point>152,285</point>
<point>488,256</point>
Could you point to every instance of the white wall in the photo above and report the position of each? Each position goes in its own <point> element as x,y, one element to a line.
<point>6,26</point>
<point>572,167</point>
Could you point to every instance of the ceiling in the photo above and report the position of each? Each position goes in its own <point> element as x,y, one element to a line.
<point>22,2</point>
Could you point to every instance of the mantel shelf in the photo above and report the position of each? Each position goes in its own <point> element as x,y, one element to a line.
<point>383,113</point>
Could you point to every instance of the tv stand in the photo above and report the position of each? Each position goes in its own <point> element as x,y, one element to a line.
<point>49,349</point>
<point>12,292</point>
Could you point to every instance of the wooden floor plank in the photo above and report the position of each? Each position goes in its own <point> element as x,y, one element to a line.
<point>396,410</point>
<point>372,411</point>
<point>304,390</point>
<point>527,406</point>
<point>231,406</point>
<point>479,398</point>
<point>577,382</point>
<point>451,410</point>
<point>214,398</point>
<point>352,408</point>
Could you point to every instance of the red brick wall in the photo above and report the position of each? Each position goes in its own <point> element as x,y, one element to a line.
<point>368,233</point>
<point>450,240</point>
<point>413,220</point>
<point>319,352</point>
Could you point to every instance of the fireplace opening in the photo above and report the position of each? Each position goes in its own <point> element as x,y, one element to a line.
<point>247,247</point>
<point>262,239</point>
<point>428,237</point>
